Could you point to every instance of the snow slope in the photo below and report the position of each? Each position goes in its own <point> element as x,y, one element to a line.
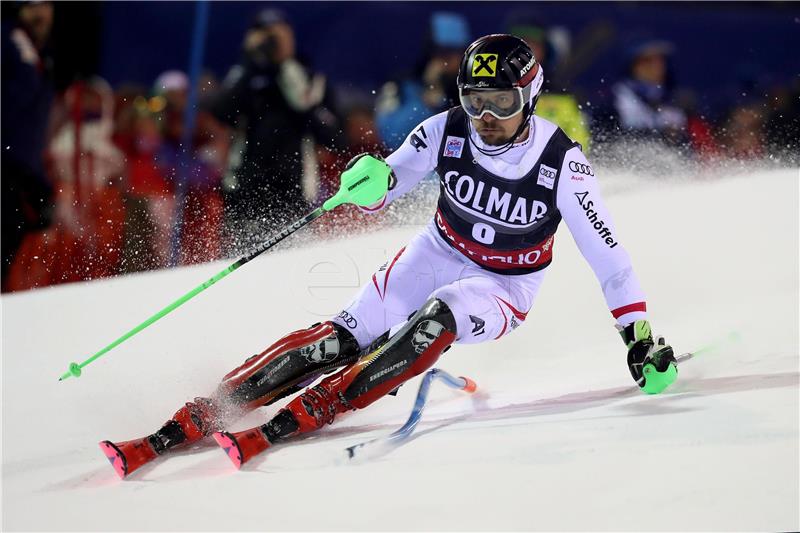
<point>558,439</point>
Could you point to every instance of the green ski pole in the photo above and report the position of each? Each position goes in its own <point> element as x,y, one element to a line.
<point>364,184</point>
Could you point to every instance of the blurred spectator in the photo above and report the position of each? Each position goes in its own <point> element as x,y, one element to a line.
<point>743,133</point>
<point>431,88</point>
<point>87,166</point>
<point>27,96</point>
<point>700,132</point>
<point>642,100</point>
<point>283,108</point>
<point>85,241</point>
<point>148,194</point>
<point>201,169</point>
<point>556,104</point>
<point>84,158</point>
<point>361,135</point>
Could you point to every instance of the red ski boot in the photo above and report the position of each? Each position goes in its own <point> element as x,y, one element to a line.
<point>244,445</point>
<point>189,424</point>
<point>309,411</point>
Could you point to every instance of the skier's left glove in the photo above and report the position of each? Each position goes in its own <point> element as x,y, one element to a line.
<point>651,361</point>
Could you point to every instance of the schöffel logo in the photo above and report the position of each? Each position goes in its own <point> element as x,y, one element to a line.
<point>594,219</point>
<point>547,177</point>
<point>581,168</point>
<point>454,146</point>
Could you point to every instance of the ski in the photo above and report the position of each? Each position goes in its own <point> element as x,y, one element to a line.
<point>380,446</point>
<point>242,446</point>
<point>127,457</point>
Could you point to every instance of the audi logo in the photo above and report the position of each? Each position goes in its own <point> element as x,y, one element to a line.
<point>547,173</point>
<point>581,168</point>
<point>348,319</point>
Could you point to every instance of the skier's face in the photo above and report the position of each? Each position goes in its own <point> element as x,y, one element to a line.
<point>496,132</point>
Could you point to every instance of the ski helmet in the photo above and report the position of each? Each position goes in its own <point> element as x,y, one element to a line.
<point>499,75</point>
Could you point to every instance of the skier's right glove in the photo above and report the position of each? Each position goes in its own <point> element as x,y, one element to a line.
<point>364,182</point>
<point>651,362</point>
<point>392,180</point>
<point>379,157</point>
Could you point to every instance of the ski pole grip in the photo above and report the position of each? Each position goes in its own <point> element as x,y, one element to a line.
<point>364,184</point>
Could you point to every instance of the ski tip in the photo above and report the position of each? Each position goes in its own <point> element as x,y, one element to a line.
<point>470,386</point>
<point>228,443</point>
<point>350,451</point>
<point>115,457</point>
<point>353,452</point>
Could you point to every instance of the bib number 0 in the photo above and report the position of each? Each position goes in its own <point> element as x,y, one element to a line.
<point>483,233</point>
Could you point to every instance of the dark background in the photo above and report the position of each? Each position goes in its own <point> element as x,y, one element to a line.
<point>161,186</point>
<point>724,51</point>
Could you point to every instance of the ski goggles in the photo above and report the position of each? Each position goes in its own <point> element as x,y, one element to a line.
<point>500,103</point>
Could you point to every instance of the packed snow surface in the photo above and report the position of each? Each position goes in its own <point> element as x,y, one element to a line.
<point>558,438</point>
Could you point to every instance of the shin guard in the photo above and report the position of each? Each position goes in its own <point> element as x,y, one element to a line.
<point>283,367</point>
<point>411,351</point>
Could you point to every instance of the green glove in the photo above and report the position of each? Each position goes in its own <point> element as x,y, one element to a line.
<point>651,362</point>
<point>364,182</point>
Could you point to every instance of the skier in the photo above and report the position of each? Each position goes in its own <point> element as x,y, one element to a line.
<point>507,178</point>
